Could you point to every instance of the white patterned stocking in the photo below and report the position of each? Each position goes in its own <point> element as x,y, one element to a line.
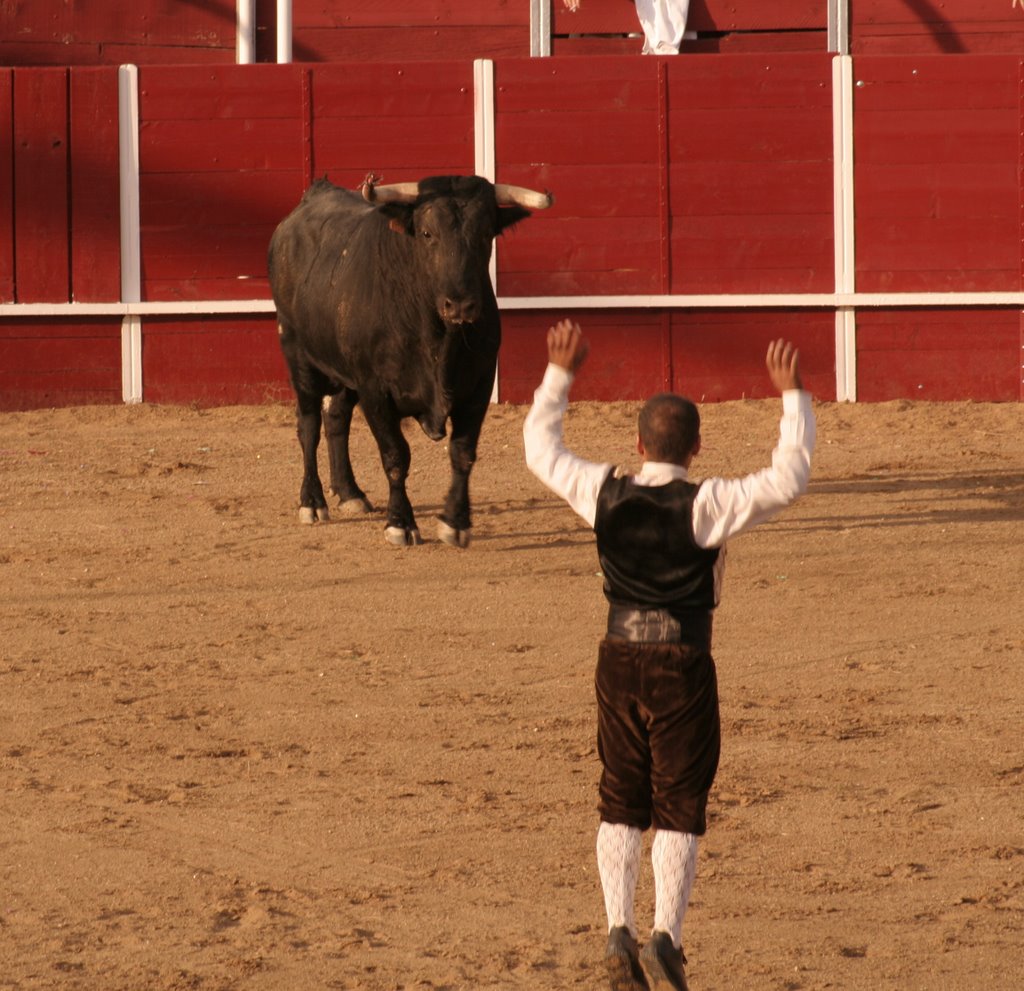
<point>618,862</point>
<point>674,856</point>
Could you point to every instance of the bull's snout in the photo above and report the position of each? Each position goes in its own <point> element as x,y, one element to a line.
<point>462,310</point>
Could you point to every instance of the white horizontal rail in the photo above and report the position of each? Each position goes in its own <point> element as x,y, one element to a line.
<point>677,301</point>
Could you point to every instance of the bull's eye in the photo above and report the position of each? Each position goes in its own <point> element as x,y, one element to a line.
<point>426,234</point>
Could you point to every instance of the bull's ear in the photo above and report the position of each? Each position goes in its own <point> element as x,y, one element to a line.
<point>510,215</point>
<point>400,216</point>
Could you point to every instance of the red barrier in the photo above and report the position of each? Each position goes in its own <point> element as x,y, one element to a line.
<point>6,189</point>
<point>677,176</point>
<point>940,355</point>
<point>59,362</point>
<point>671,176</point>
<point>221,160</point>
<point>937,173</point>
<point>709,355</point>
<point>900,27</point>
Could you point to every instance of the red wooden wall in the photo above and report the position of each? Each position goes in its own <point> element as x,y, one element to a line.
<point>703,175</point>
<point>116,31</point>
<point>409,30</point>
<point>939,199</point>
<point>936,26</point>
<point>59,233</point>
<point>604,26</point>
<point>146,32</point>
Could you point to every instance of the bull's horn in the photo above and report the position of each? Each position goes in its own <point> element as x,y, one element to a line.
<point>399,192</point>
<point>518,196</point>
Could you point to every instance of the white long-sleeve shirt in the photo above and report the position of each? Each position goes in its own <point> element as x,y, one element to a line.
<point>722,507</point>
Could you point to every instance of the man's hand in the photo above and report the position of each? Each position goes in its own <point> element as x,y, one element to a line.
<point>572,5</point>
<point>567,347</point>
<point>783,361</point>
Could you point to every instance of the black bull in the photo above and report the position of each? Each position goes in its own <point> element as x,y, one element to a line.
<point>385,300</point>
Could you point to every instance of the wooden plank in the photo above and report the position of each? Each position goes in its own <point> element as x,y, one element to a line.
<point>749,81</point>
<point>202,287</point>
<point>220,145</point>
<point>756,258</point>
<point>578,138</point>
<point>751,176</point>
<point>385,90</point>
<point>409,13</point>
<point>581,256</point>
<point>751,135</point>
<point>929,83</point>
<point>397,149</point>
<point>714,355</point>
<point>410,45</point>
<point>1010,41</point>
<point>41,182</point>
<point>144,22</point>
<point>95,189</point>
<point>601,85</point>
<point>936,161</point>
<point>6,187</point>
<point>933,136</point>
<point>953,14</point>
<point>235,92</point>
<point>938,355</point>
<point>595,190</point>
<point>703,189</point>
<point>214,198</point>
<point>940,190</point>
<point>213,361</point>
<point>718,355</point>
<point>49,362</point>
<point>608,16</point>
<point>761,42</point>
<point>628,363</point>
<point>225,262</point>
<point>893,27</point>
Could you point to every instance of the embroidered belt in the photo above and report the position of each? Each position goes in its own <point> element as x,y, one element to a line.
<point>658,626</point>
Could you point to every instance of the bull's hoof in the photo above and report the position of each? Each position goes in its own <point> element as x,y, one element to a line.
<point>452,536</point>
<point>309,516</point>
<point>399,536</point>
<point>354,507</point>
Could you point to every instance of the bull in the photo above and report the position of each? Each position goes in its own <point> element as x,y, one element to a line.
<point>384,300</point>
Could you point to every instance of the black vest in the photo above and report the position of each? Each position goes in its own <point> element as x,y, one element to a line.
<point>648,554</point>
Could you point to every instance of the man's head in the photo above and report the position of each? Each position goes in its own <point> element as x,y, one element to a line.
<point>668,429</point>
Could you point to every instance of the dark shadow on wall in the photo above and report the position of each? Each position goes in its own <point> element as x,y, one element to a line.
<point>946,37</point>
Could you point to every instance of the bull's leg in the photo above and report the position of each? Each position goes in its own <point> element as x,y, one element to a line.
<point>386,426</point>
<point>312,504</point>
<point>454,523</point>
<point>337,422</point>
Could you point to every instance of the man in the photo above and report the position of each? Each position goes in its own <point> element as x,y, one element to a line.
<point>663,21</point>
<point>661,544</point>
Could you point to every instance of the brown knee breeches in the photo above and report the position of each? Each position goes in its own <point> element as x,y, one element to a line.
<point>658,734</point>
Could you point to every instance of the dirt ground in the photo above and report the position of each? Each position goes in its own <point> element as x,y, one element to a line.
<point>240,753</point>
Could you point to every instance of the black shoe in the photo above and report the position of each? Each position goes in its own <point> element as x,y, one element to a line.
<point>664,962</point>
<point>623,963</point>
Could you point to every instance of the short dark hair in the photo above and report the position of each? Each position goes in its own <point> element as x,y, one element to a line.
<point>669,427</point>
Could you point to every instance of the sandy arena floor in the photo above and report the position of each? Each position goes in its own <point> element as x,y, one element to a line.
<point>240,753</point>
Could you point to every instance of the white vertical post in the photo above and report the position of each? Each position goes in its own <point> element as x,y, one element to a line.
<point>483,118</point>
<point>284,30</point>
<point>843,220</point>
<point>540,28</point>
<point>839,26</point>
<point>484,164</point>
<point>245,32</point>
<point>131,251</point>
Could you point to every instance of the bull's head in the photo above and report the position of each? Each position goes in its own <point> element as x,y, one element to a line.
<point>454,220</point>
